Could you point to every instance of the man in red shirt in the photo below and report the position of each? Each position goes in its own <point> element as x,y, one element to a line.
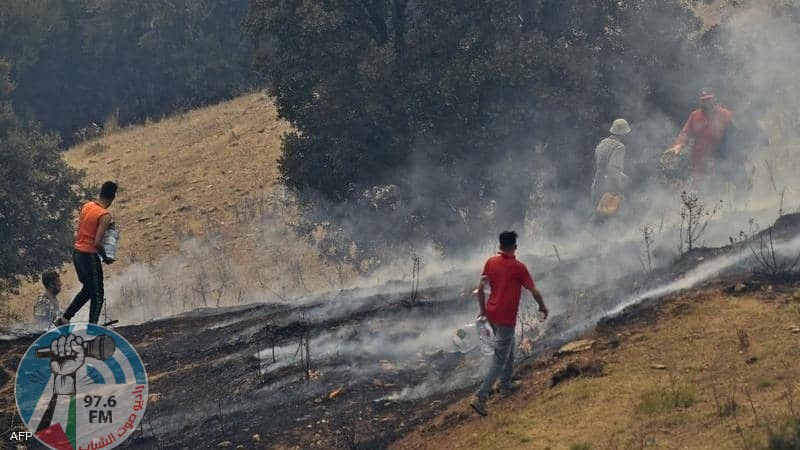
<point>506,277</point>
<point>707,126</point>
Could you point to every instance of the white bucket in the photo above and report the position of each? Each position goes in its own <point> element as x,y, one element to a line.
<point>111,242</point>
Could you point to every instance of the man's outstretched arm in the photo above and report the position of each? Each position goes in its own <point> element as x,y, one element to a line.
<point>683,136</point>
<point>540,300</point>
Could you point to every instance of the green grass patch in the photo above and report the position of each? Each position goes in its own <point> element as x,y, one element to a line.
<point>764,383</point>
<point>580,447</point>
<point>784,435</point>
<point>667,398</point>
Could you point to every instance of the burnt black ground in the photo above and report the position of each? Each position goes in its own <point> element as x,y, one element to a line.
<point>202,364</point>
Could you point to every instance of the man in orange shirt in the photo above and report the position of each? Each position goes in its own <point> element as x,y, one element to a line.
<point>707,126</point>
<point>87,253</point>
<point>506,277</point>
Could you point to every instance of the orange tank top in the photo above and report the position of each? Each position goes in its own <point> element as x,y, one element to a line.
<point>88,221</point>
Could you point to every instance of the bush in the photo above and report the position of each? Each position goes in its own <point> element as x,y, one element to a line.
<point>580,447</point>
<point>674,168</point>
<point>39,192</point>
<point>96,149</point>
<point>667,398</point>
<point>784,436</point>
<point>772,263</point>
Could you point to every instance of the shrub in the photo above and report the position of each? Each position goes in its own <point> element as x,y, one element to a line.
<point>667,398</point>
<point>96,149</point>
<point>784,436</point>
<point>580,447</point>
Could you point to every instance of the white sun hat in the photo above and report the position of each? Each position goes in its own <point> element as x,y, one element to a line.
<point>620,127</point>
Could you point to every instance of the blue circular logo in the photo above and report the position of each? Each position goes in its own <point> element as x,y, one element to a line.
<point>81,387</point>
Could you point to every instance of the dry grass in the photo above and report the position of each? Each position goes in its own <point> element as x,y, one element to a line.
<point>636,406</point>
<point>187,176</point>
<point>171,172</point>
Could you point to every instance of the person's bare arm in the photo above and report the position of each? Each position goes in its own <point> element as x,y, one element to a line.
<point>683,136</point>
<point>102,226</point>
<point>540,300</point>
<point>482,296</point>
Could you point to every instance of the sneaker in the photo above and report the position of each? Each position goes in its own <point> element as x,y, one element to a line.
<point>509,389</point>
<point>479,406</point>
<point>59,321</point>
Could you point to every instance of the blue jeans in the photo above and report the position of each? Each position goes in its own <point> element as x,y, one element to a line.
<point>502,365</point>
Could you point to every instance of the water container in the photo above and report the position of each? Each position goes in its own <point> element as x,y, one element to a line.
<point>111,242</point>
<point>466,339</point>
<point>486,334</point>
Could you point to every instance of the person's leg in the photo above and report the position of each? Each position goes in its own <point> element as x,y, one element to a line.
<point>97,299</point>
<point>83,269</point>
<point>508,368</point>
<point>504,340</point>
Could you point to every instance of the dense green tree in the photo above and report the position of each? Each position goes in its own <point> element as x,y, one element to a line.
<point>39,194</point>
<point>442,103</point>
<point>81,61</point>
<point>25,28</point>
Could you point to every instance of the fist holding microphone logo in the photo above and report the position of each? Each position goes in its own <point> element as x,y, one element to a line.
<point>81,387</point>
<point>67,355</point>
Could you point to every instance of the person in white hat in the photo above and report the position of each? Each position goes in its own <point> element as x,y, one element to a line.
<point>609,157</point>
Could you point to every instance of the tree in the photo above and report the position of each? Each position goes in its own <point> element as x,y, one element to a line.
<point>80,61</point>
<point>443,102</point>
<point>39,194</point>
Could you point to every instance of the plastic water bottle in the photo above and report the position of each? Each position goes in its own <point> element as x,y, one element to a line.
<point>111,242</point>
<point>486,334</point>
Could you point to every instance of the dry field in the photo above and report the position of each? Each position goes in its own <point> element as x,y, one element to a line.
<point>208,178</point>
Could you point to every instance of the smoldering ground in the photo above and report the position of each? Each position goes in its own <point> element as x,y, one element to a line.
<point>383,357</point>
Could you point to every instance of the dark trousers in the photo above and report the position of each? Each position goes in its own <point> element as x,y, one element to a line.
<point>90,274</point>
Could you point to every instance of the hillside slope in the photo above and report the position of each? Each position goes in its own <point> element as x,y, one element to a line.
<point>199,203</point>
<point>741,348</point>
<point>171,173</point>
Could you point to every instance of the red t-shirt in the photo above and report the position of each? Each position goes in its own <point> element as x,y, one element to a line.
<point>707,133</point>
<point>506,277</point>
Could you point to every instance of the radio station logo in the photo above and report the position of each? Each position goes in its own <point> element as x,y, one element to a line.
<point>81,387</point>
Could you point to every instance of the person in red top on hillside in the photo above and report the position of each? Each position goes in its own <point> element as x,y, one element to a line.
<point>506,276</point>
<point>87,253</point>
<point>707,127</point>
